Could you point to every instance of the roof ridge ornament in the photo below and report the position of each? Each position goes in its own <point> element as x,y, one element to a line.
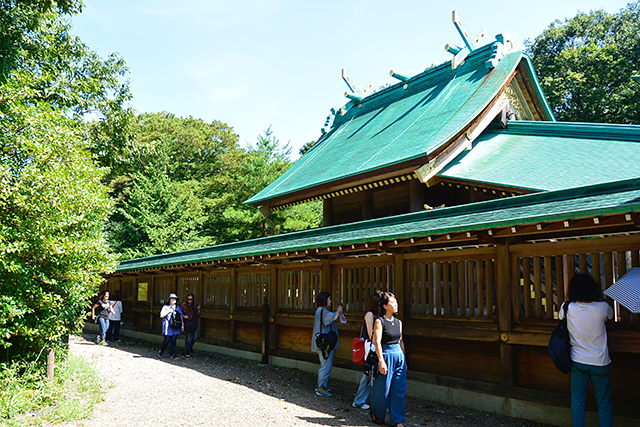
<point>504,44</point>
<point>460,53</point>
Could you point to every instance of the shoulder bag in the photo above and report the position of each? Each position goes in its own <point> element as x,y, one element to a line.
<point>559,344</point>
<point>327,341</point>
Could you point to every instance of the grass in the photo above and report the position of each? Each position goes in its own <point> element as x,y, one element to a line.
<point>28,399</point>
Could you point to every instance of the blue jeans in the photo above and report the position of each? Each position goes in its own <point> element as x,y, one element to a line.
<point>103,328</point>
<point>169,339</point>
<point>325,369</point>
<point>388,391</point>
<point>600,376</point>
<point>364,390</point>
<point>190,340</point>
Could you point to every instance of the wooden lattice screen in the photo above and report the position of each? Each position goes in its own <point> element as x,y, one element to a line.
<point>541,272</point>
<point>216,289</point>
<point>460,283</point>
<point>297,289</point>
<point>355,283</point>
<point>253,287</point>
<point>164,286</point>
<point>188,284</point>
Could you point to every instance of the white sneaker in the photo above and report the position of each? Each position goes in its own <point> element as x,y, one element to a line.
<point>363,406</point>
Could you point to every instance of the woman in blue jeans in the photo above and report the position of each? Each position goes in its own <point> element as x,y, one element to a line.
<point>102,316</point>
<point>170,334</point>
<point>586,316</point>
<point>390,386</point>
<point>324,321</point>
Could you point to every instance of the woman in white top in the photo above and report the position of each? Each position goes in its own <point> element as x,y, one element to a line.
<point>586,316</point>
<point>115,317</point>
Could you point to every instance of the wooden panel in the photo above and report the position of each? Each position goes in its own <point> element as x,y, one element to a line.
<point>473,360</point>
<point>535,370</point>
<point>249,333</point>
<point>295,339</point>
<point>214,328</point>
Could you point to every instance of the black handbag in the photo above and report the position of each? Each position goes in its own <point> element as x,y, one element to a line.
<point>327,341</point>
<point>560,345</point>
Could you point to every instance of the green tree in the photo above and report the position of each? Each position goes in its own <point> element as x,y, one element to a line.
<point>52,210</point>
<point>20,19</point>
<point>53,205</point>
<point>306,147</point>
<point>171,183</point>
<point>260,166</point>
<point>585,66</point>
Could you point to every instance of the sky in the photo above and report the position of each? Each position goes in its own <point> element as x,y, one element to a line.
<point>277,63</point>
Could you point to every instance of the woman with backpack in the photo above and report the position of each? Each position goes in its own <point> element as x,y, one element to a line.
<point>390,386</point>
<point>171,317</point>
<point>362,395</point>
<point>586,315</point>
<point>325,323</point>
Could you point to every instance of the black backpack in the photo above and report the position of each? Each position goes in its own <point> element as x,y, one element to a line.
<point>176,320</point>
<point>559,344</point>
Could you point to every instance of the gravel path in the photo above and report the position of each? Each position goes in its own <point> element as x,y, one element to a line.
<point>219,390</point>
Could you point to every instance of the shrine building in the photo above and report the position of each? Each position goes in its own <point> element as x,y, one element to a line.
<point>457,190</point>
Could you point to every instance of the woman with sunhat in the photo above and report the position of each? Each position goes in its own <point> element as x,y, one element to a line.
<point>170,334</point>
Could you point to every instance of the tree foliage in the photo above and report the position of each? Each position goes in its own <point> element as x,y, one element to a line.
<point>181,184</point>
<point>585,66</point>
<point>53,204</point>
<point>52,210</point>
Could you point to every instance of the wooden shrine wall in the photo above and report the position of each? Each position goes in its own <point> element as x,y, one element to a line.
<point>475,318</point>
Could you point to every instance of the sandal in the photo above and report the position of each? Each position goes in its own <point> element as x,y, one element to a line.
<point>375,419</point>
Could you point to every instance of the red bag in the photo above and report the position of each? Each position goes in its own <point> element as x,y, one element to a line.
<point>358,351</point>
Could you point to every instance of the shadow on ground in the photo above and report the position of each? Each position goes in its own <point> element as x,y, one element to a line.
<point>297,387</point>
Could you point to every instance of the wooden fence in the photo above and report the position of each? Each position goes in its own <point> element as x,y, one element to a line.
<point>475,318</point>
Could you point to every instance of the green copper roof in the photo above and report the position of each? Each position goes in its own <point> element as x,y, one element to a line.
<point>550,155</point>
<point>601,199</point>
<point>397,124</point>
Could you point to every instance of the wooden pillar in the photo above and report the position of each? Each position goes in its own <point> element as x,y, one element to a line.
<point>273,304</point>
<point>367,205</point>
<point>327,280</point>
<point>327,212</point>
<point>151,300</point>
<point>505,317</point>
<point>51,360</point>
<point>417,196</point>
<point>400,286</point>
<point>233,290</point>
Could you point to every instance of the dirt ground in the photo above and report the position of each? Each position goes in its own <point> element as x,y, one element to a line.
<point>210,389</point>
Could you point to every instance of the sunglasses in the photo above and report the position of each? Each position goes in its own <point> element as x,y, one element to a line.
<point>189,299</point>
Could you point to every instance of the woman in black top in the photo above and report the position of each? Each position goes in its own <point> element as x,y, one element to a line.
<point>390,386</point>
<point>102,316</point>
